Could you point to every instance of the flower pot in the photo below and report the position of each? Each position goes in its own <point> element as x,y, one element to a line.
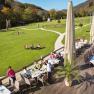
<point>67,82</point>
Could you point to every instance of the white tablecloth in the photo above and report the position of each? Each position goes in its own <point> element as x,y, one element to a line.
<point>36,73</point>
<point>39,72</point>
<point>53,61</point>
<point>4,90</point>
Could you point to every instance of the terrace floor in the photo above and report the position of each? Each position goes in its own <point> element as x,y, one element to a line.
<point>84,87</point>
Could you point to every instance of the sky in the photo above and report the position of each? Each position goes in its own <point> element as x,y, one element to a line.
<point>52,4</point>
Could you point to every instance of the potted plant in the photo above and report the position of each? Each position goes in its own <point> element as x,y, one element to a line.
<point>70,74</point>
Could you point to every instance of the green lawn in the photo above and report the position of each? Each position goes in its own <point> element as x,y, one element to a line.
<point>12,51</point>
<point>60,27</point>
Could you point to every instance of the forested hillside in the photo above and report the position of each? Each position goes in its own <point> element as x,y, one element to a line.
<point>19,13</point>
<point>23,13</point>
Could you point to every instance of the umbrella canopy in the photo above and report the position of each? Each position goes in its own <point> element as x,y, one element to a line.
<point>92,31</point>
<point>70,35</point>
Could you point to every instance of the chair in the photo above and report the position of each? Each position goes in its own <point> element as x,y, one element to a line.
<point>16,88</point>
<point>17,85</point>
<point>27,81</point>
<point>43,79</point>
<point>22,77</point>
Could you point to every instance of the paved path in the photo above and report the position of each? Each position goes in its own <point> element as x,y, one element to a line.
<point>58,43</point>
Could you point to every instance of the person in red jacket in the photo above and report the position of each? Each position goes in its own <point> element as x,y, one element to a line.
<point>11,75</point>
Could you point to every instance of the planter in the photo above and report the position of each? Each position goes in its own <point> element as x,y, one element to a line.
<point>67,82</point>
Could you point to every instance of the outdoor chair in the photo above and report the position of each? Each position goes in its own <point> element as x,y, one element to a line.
<point>43,79</point>
<point>16,88</point>
<point>22,77</point>
<point>17,85</point>
<point>19,88</point>
<point>29,81</point>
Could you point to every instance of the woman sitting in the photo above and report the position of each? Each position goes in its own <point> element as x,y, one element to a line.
<point>38,46</point>
<point>27,73</point>
<point>38,65</point>
<point>32,46</point>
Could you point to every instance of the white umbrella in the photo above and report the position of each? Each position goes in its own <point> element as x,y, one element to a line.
<point>70,35</point>
<point>92,31</point>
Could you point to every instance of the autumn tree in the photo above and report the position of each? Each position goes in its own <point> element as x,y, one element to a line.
<point>52,13</point>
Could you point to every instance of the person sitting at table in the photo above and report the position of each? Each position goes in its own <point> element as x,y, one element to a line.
<point>11,75</point>
<point>27,46</point>
<point>52,55</point>
<point>27,73</point>
<point>32,46</point>
<point>38,65</point>
<point>61,58</point>
<point>43,67</point>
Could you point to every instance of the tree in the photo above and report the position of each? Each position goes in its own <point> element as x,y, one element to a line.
<point>52,13</point>
<point>30,15</point>
<point>43,14</point>
<point>60,14</point>
<point>18,12</point>
<point>2,20</point>
<point>27,15</point>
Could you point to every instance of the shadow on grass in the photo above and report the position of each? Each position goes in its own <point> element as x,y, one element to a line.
<point>35,48</point>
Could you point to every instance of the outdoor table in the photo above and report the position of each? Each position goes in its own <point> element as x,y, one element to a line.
<point>53,61</point>
<point>62,52</point>
<point>4,90</point>
<point>36,73</point>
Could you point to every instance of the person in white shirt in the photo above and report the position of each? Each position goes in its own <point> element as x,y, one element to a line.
<point>49,71</point>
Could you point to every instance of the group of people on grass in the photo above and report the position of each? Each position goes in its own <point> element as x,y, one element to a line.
<point>32,46</point>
